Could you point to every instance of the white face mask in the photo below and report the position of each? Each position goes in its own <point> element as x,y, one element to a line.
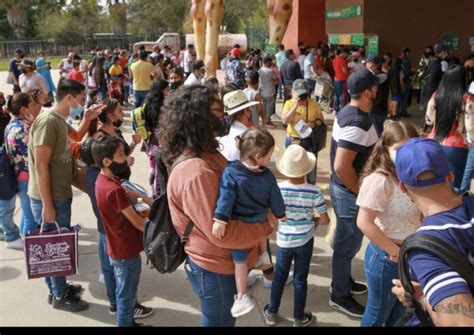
<point>393,155</point>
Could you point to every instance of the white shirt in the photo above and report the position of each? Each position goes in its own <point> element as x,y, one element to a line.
<point>192,80</point>
<point>32,82</point>
<point>227,144</point>
<point>68,67</point>
<point>187,61</point>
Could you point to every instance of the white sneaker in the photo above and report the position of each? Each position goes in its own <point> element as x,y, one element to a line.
<point>17,244</point>
<point>268,283</point>
<point>101,279</point>
<point>242,306</point>
<point>264,262</point>
<point>251,278</point>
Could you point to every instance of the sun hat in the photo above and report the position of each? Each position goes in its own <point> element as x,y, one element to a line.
<point>236,101</point>
<point>296,162</point>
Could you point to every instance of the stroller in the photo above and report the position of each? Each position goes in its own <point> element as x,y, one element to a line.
<point>324,92</point>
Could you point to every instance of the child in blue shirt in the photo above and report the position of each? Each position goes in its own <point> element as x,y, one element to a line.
<point>248,190</point>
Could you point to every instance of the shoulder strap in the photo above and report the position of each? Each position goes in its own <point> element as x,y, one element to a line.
<point>439,248</point>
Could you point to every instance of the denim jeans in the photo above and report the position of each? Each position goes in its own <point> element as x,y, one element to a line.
<point>7,210</point>
<point>403,107</point>
<point>340,89</point>
<point>284,256</point>
<point>57,285</point>
<point>383,307</point>
<point>216,294</point>
<point>347,238</point>
<point>310,85</point>
<point>107,269</point>
<point>27,223</point>
<point>103,89</point>
<point>139,97</point>
<point>378,121</point>
<point>127,276</point>
<point>268,107</point>
<point>423,101</point>
<point>457,158</point>
<point>468,171</point>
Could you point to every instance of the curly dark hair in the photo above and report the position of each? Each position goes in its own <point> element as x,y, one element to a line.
<point>186,121</point>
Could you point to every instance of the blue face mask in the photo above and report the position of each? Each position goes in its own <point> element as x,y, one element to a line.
<point>76,111</point>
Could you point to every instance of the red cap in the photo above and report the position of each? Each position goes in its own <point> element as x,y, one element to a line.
<point>235,52</point>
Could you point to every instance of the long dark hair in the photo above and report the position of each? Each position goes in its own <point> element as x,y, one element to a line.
<point>153,103</point>
<point>110,108</point>
<point>99,72</point>
<point>448,100</point>
<point>186,121</point>
<point>380,159</point>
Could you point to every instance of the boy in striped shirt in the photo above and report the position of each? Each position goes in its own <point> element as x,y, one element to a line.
<point>305,209</point>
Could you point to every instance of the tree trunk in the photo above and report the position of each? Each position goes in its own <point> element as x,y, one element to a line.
<point>118,15</point>
<point>279,14</point>
<point>17,19</point>
<point>214,14</point>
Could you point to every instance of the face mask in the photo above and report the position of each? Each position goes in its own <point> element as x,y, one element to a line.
<point>221,125</point>
<point>201,76</point>
<point>76,111</point>
<point>303,97</point>
<point>24,71</point>
<point>174,86</point>
<point>117,123</point>
<point>118,168</point>
<point>393,156</point>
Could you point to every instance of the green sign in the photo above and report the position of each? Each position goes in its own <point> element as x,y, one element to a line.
<point>270,49</point>
<point>333,39</point>
<point>451,41</point>
<point>373,46</point>
<point>344,13</point>
<point>357,39</point>
<point>346,39</point>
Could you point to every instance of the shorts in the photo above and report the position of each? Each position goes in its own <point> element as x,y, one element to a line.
<point>396,98</point>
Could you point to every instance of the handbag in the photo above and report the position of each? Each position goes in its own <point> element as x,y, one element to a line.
<point>79,167</point>
<point>51,254</point>
<point>317,140</point>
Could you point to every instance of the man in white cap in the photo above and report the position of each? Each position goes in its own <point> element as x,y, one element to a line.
<point>66,65</point>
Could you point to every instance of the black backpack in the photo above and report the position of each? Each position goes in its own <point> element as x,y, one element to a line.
<point>164,248</point>
<point>8,182</point>
<point>462,265</point>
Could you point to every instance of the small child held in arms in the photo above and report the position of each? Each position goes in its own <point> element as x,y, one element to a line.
<point>247,192</point>
<point>305,209</point>
<point>123,225</point>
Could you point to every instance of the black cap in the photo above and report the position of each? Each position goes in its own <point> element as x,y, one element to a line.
<point>27,62</point>
<point>360,81</point>
<point>198,65</point>
<point>374,59</point>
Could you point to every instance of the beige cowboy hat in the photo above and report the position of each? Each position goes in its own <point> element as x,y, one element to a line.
<point>236,101</point>
<point>296,162</point>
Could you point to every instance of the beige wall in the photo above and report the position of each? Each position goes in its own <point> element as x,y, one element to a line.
<point>350,25</point>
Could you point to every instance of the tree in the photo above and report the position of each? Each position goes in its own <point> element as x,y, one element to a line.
<point>17,15</point>
<point>118,16</point>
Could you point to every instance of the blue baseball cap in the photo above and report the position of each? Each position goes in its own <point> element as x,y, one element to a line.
<point>420,155</point>
<point>360,81</point>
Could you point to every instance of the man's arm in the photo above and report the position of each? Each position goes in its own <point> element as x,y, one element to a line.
<point>89,115</point>
<point>137,221</point>
<point>43,157</point>
<point>455,311</point>
<point>344,169</point>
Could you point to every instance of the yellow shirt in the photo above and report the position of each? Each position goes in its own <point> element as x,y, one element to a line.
<point>115,70</point>
<point>142,72</point>
<point>310,114</point>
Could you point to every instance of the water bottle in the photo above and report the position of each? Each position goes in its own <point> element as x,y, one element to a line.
<point>142,208</point>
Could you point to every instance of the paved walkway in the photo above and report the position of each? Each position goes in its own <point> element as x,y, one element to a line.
<point>24,302</point>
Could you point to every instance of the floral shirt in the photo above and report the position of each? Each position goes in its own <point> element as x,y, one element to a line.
<point>16,147</point>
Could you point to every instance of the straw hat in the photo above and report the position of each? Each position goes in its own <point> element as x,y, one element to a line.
<point>296,162</point>
<point>236,101</point>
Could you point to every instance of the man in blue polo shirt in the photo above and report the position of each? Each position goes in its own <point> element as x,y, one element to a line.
<point>352,141</point>
<point>423,171</point>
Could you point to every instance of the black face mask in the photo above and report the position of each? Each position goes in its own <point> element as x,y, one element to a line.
<point>303,97</point>
<point>117,123</point>
<point>174,86</point>
<point>118,168</point>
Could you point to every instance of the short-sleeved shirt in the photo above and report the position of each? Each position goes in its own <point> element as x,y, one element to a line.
<point>354,131</point>
<point>280,58</point>
<point>15,68</point>
<point>142,72</point>
<point>76,75</point>
<point>308,62</point>
<point>397,215</point>
<point>303,203</point>
<point>123,239</point>
<point>267,82</point>
<point>310,114</point>
<point>50,129</point>
<point>339,63</point>
<point>455,227</point>
<point>34,81</point>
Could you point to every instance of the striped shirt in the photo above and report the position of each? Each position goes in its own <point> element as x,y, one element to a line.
<point>303,203</point>
<point>455,227</point>
<point>354,131</point>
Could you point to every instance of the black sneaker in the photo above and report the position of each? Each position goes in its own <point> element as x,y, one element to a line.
<point>112,309</point>
<point>356,288</point>
<point>307,320</point>
<point>269,317</point>
<point>347,305</point>
<point>140,311</point>
<point>70,303</point>
<point>135,324</point>
<point>75,289</point>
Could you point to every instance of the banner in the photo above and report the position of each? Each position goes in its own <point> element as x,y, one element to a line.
<point>344,13</point>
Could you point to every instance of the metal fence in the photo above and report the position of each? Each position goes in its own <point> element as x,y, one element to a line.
<point>61,47</point>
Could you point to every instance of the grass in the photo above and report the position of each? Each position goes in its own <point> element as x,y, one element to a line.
<point>4,63</point>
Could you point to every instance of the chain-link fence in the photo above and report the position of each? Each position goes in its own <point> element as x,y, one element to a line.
<point>256,37</point>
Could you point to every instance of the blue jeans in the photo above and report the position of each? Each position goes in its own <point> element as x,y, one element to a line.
<point>423,101</point>
<point>378,121</point>
<point>457,158</point>
<point>102,88</point>
<point>57,285</point>
<point>7,210</point>
<point>347,239</point>
<point>139,97</point>
<point>90,179</point>
<point>216,294</point>
<point>284,256</point>
<point>127,276</point>
<point>310,85</point>
<point>468,171</point>
<point>27,223</point>
<point>340,89</point>
<point>403,107</point>
<point>107,269</point>
<point>383,307</point>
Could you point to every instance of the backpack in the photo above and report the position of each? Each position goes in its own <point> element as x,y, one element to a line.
<point>138,123</point>
<point>164,248</point>
<point>8,182</point>
<point>459,263</point>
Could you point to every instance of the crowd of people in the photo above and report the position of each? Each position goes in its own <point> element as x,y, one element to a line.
<point>209,148</point>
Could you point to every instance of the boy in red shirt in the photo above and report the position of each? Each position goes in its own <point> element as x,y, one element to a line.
<point>76,74</point>
<point>342,73</point>
<point>123,226</point>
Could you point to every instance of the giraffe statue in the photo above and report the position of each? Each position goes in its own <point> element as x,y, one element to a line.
<point>279,14</point>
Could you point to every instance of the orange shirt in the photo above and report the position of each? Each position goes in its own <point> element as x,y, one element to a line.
<point>339,64</point>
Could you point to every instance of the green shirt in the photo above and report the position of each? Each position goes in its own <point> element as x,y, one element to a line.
<point>50,129</point>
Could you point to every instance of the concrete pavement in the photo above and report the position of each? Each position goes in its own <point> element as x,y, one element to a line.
<point>24,302</point>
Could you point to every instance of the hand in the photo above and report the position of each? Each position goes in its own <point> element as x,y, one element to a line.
<point>218,229</point>
<point>136,139</point>
<point>49,214</point>
<point>311,124</point>
<point>399,291</point>
<point>272,220</point>
<point>130,161</point>
<point>93,112</point>
<point>132,195</point>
